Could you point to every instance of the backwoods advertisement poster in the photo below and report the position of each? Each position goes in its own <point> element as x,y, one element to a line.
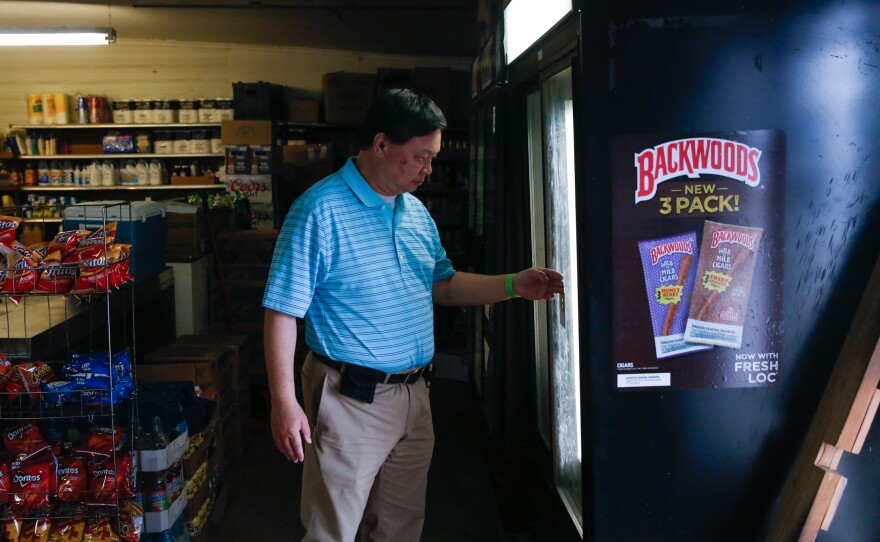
<point>698,224</point>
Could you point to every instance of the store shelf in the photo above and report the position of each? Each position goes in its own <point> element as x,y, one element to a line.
<point>115,156</point>
<point>109,126</point>
<point>41,220</point>
<point>168,187</point>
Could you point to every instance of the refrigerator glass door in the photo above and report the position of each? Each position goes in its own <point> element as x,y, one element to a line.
<point>539,258</point>
<point>560,247</point>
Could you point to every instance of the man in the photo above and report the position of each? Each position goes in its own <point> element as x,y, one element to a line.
<point>360,259</point>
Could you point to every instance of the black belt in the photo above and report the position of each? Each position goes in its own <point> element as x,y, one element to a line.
<point>373,374</point>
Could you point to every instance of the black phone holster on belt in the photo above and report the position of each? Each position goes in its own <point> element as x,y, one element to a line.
<point>358,383</point>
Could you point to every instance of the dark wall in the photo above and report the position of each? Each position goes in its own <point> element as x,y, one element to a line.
<point>709,465</point>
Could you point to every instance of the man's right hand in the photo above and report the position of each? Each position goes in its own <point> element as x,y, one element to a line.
<point>290,430</point>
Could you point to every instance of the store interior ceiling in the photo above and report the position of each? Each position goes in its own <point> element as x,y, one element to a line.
<point>442,28</point>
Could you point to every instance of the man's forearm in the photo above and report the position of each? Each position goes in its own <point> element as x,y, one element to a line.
<point>465,289</point>
<point>279,337</point>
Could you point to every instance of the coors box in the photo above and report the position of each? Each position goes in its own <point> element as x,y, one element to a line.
<point>256,188</point>
<point>697,255</point>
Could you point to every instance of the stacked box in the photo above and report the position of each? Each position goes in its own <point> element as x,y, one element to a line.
<point>236,308</point>
<point>260,100</point>
<point>347,96</point>
<point>187,236</point>
<point>242,350</point>
<point>208,367</point>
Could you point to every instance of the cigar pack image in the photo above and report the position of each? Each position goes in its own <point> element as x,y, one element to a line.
<point>724,280</point>
<point>669,265</point>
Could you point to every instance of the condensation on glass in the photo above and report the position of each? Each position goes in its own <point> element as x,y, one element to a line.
<point>554,229</point>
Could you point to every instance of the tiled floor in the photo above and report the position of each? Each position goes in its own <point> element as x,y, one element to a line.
<point>263,492</point>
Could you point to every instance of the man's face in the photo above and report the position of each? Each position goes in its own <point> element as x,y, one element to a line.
<point>406,166</point>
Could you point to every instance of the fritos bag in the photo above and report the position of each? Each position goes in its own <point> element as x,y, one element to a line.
<point>8,226</point>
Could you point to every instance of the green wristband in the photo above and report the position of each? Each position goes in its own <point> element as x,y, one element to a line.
<point>508,286</point>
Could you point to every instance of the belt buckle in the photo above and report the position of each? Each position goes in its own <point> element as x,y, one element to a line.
<point>415,374</point>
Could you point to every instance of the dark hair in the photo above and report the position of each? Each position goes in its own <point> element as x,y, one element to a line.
<point>401,114</point>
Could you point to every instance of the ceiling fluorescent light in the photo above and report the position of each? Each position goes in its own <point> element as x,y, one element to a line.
<point>57,36</point>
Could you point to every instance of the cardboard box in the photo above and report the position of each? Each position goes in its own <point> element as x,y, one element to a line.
<point>347,96</point>
<point>192,180</point>
<point>241,347</point>
<point>156,522</point>
<point>187,232</point>
<point>159,460</point>
<point>303,110</point>
<point>238,160</point>
<point>247,132</point>
<point>201,447</point>
<point>85,148</point>
<point>307,155</point>
<point>208,367</point>
<point>263,216</point>
<point>256,188</point>
<point>260,100</point>
<point>388,78</point>
<point>246,246</point>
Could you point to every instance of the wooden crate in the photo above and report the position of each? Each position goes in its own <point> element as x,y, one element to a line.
<point>209,367</point>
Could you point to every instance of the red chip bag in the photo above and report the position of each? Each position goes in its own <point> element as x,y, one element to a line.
<point>68,530</point>
<point>101,442</point>
<point>67,241</point>
<point>131,522</point>
<point>24,441</point>
<point>107,481</point>
<point>36,530</point>
<point>32,256</point>
<point>99,529</point>
<point>8,225</point>
<point>27,378</point>
<point>119,274</point>
<point>94,271</point>
<point>33,483</point>
<point>42,248</point>
<point>55,277</point>
<point>19,275</point>
<point>4,484</point>
<point>6,370</point>
<point>10,527</point>
<point>72,479</point>
<point>97,242</point>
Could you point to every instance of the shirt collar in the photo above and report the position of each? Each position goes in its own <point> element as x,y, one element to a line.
<point>362,188</point>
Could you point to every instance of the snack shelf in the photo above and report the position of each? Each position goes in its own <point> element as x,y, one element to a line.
<point>36,405</point>
<point>62,511</point>
<point>76,410</point>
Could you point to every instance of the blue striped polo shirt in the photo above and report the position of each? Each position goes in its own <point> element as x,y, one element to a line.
<point>360,275</point>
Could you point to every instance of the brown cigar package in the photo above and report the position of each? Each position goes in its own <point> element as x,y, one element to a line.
<point>720,298</point>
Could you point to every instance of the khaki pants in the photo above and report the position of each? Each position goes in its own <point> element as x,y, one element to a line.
<point>367,467</point>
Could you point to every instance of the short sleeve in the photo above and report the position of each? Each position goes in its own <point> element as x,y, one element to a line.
<point>298,263</point>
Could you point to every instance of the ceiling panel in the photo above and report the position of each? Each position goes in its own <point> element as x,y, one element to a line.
<point>403,27</point>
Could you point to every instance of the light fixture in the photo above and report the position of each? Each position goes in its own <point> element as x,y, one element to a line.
<point>57,36</point>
